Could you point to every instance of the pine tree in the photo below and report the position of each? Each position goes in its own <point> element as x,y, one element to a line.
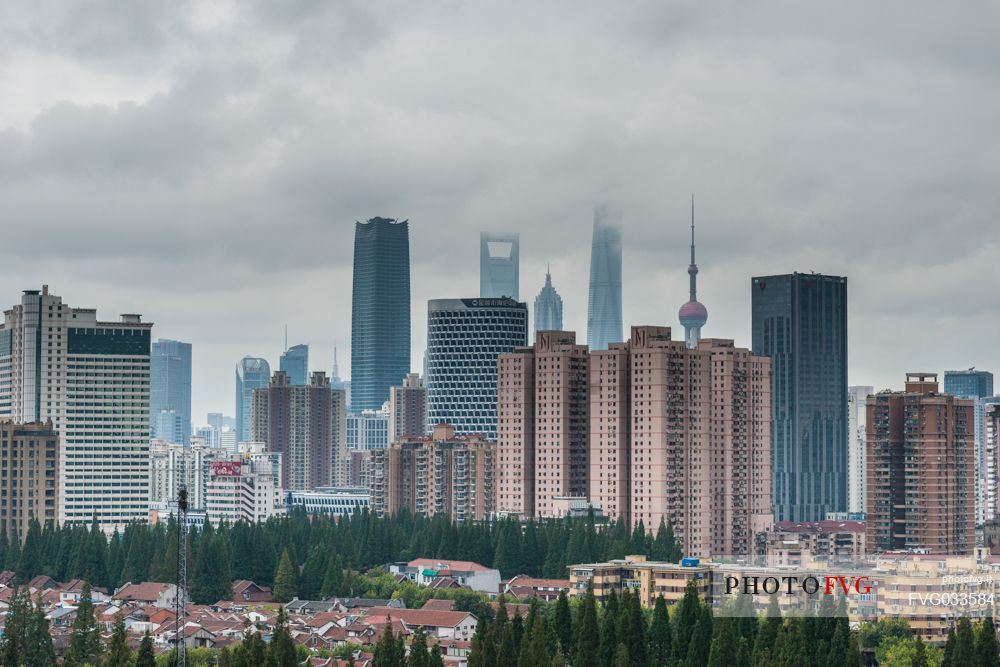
<point>29,564</point>
<point>285,579</point>
<point>418,656</point>
<point>436,660</point>
<point>15,630</point>
<point>145,657</point>
<point>840,646</point>
<point>587,633</point>
<point>986,644</point>
<point>533,648</point>
<point>211,576</point>
<point>701,640</point>
<point>763,648</point>
<point>660,635</point>
<point>563,624</point>
<point>949,649</point>
<point>85,639</point>
<point>282,646</point>
<point>919,654</point>
<point>313,572</point>
<point>610,638</point>
<point>507,652</point>
<point>964,643</point>
<point>621,658</point>
<point>119,653</point>
<point>685,620</point>
<point>388,651</point>
<point>333,580</point>
<point>635,635</point>
<point>724,651</point>
<point>38,649</point>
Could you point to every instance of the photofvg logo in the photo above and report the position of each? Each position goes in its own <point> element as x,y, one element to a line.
<point>795,585</point>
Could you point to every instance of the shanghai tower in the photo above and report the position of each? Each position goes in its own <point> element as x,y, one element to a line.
<point>380,311</point>
<point>604,306</point>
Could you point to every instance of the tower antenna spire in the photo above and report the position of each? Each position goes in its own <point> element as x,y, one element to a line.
<point>693,315</point>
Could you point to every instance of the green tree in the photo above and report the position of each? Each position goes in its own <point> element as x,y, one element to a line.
<point>965,653</point>
<point>85,639</point>
<point>507,652</point>
<point>533,648</point>
<point>660,635</point>
<point>119,653</point>
<point>389,651</point>
<point>435,660</point>
<point>608,646</point>
<point>701,640</point>
<point>563,624</point>
<point>685,619</point>
<point>635,633</point>
<point>282,647</point>
<point>587,633</point>
<point>764,645</point>
<point>418,656</point>
<point>724,651</point>
<point>333,579</point>
<point>211,576</point>
<point>621,658</point>
<point>15,630</point>
<point>919,654</point>
<point>986,644</point>
<point>285,579</point>
<point>145,657</point>
<point>38,649</point>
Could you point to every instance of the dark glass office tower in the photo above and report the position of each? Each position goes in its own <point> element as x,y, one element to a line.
<point>800,321</point>
<point>380,310</point>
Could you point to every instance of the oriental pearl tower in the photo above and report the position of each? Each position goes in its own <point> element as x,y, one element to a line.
<point>692,314</point>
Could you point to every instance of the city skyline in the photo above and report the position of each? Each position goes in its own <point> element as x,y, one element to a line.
<point>258,139</point>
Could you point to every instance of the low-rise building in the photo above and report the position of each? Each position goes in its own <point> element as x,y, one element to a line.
<point>788,542</point>
<point>636,574</point>
<point>243,490</point>
<point>424,571</point>
<point>331,500</point>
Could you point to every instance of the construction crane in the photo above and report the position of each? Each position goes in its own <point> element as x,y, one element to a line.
<point>180,648</point>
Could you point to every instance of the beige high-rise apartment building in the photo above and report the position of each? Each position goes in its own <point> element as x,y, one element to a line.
<point>921,469</point>
<point>700,440</point>
<point>439,474</point>
<point>29,476</point>
<point>675,434</point>
<point>542,425</point>
<point>408,408</point>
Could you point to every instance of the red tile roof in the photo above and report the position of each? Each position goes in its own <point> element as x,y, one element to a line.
<point>453,565</point>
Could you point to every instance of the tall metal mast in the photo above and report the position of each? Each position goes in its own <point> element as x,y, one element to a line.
<point>180,598</point>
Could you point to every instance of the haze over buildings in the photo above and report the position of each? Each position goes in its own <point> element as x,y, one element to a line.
<point>604,303</point>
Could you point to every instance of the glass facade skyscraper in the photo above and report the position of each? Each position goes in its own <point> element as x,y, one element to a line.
<point>295,363</point>
<point>968,384</point>
<point>548,308</point>
<point>800,321</point>
<point>170,391</point>
<point>464,339</point>
<point>251,373</point>
<point>380,311</point>
<point>604,305</point>
<point>499,265</point>
<point>977,385</point>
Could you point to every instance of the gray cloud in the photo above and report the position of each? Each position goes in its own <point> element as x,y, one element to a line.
<point>204,162</point>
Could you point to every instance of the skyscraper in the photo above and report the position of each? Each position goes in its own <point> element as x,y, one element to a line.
<point>306,424</point>
<point>251,373</point>
<point>920,469</point>
<point>29,468</point>
<point>295,363</point>
<point>548,308</point>
<point>604,305</point>
<point>464,339</point>
<point>380,311</point>
<point>692,315</point>
<point>800,321</point>
<point>170,390</point>
<point>977,385</point>
<point>499,266</point>
<point>91,378</point>
<point>856,457</point>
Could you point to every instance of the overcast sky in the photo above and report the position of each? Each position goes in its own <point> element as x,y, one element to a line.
<point>204,163</point>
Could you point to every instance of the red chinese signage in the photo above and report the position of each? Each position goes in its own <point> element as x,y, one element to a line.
<point>226,468</point>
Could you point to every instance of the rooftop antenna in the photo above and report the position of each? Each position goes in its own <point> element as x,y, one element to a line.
<point>693,269</point>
